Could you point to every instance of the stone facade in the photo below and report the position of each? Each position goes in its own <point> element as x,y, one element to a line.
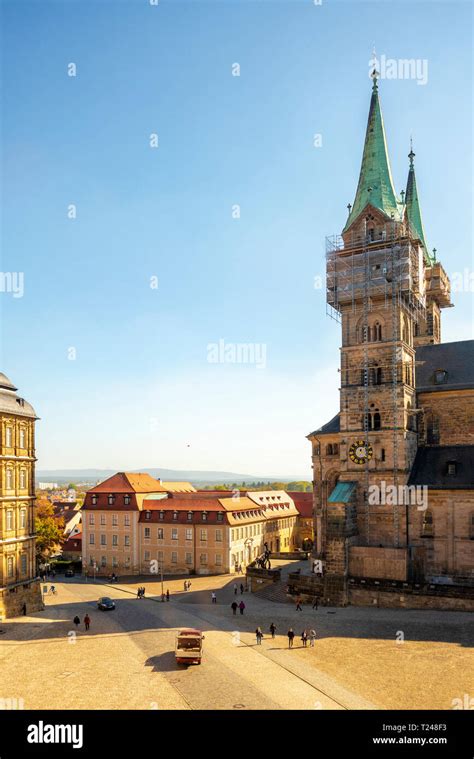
<point>19,585</point>
<point>401,393</point>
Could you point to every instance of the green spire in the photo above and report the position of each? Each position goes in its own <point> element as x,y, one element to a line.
<point>413,206</point>
<point>375,180</point>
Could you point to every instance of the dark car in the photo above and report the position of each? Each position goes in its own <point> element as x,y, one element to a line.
<point>105,604</point>
<point>69,573</point>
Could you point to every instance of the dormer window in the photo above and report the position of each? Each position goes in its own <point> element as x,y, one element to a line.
<point>190,516</point>
<point>126,500</point>
<point>440,377</point>
<point>94,500</point>
<point>147,514</point>
<point>175,515</point>
<point>451,468</point>
<point>204,516</point>
<point>111,500</point>
<point>220,516</point>
<point>162,514</point>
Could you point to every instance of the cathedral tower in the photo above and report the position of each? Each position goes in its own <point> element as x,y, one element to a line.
<point>386,291</point>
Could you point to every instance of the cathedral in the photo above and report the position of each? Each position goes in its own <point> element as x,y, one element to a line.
<point>393,470</point>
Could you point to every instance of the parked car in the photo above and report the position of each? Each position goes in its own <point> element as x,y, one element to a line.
<point>69,572</point>
<point>105,604</point>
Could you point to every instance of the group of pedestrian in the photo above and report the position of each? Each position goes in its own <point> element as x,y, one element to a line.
<point>305,636</point>
<point>141,593</point>
<point>234,606</point>
<point>87,621</point>
<point>165,596</point>
<point>187,584</point>
<point>236,589</point>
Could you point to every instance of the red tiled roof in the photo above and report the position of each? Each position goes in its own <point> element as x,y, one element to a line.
<point>129,482</point>
<point>303,502</point>
<point>73,544</point>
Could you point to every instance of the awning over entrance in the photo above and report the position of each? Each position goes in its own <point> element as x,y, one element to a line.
<point>343,492</point>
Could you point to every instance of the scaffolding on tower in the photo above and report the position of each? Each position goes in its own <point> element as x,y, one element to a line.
<point>386,273</point>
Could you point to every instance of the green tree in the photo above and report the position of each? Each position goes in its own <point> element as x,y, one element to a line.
<point>49,529</point>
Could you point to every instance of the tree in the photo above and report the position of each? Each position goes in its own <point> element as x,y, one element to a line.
<point>49,529</point>
<point>71,486</point>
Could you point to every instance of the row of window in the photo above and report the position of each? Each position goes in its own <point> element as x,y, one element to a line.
<point>218,536</point>
<point>8,437</point>
<point>115,519</point>
<point>259,528</point>
<point>175,559</point>
<point>10,519</point>
<point>111,499</point>
<point>204,515</point>
<point>10,479</point>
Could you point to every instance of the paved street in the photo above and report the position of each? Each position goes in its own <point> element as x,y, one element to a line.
<point>126,659</point>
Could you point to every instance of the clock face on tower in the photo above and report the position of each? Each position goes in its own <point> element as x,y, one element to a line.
<point>360,452</point>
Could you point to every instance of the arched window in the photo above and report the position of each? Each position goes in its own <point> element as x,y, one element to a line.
<point>335,448</point>
<point>329,449</point>
<point>376,421</point>
<point>9,479</point>
<point>427,528</point>
<point>22,479</point>
<point>432,430</point>
<point>375,375</point>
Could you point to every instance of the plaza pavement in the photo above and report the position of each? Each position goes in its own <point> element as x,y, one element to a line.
<point>126,660</point>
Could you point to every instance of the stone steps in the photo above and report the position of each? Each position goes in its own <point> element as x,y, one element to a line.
<point>275,592</point>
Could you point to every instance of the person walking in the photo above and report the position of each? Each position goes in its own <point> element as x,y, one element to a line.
<point>273,629</point>
<point>213,597</point>
<point>76,621</point>
<point>240,569</point>
<point>167,594</point>
<point>312,637</point>
<point>298,605</point>
<point>259,636</point>
<point>315,603</point>
<point>234,607</point>
<point>235,588</point>
<point>185,585</point>
<point>23,608</point>
<point>143,591</point>
<point>241,589</point>
<point>304,638</point>
<point>87,621</point>
<point>139,593</point>
<point>241,607</point>
<point>291,636</point>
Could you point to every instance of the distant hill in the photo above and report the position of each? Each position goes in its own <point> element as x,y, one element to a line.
<point>193,476</point>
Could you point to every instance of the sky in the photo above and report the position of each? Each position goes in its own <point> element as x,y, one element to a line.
<point>144,266</point>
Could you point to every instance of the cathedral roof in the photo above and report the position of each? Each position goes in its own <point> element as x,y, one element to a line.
<point>412,206</point>
<point>375,185</point>
<point>456,360</point>
<point>431,467</point>
<point>333,426</point>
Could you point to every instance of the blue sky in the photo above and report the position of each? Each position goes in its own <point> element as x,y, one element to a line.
<point>141,391</point>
